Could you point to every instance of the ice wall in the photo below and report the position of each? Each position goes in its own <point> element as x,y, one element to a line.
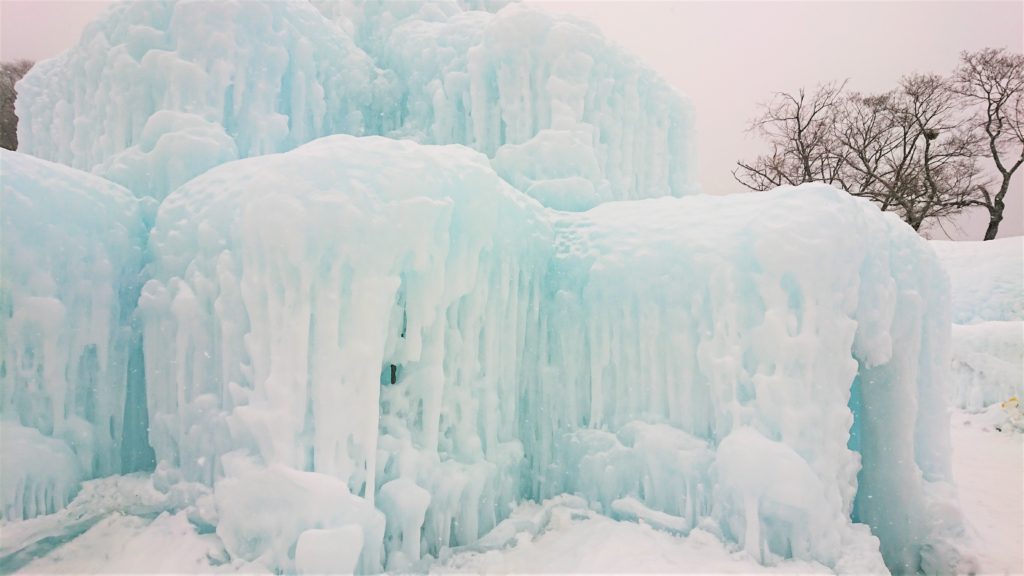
<point>157,92</point>
<point>359,308</point>
<point>987,353</point>
<point>71,252</point>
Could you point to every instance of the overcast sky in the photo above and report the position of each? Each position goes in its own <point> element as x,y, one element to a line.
<point>726,56</point>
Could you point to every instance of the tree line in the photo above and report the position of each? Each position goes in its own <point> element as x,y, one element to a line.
<point>926,150</point>
<point>10,73</point>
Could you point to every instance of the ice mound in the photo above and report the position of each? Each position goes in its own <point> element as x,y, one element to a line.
<point>359,308</point>
<point>41,474</point>
<point>987,352</point>
<point>796,323</point>
<point>71,253</point>
<point>397,319</point>
<point>986,278</point>
<point>157,92</point>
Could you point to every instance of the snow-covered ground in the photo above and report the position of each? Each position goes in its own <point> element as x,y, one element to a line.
<point>989,469</point>
<point>559,536</point>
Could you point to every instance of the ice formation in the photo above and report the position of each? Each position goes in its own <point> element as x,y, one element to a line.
<point>171,89</point>
<point>71,250</point>
<point>157,92</point>
<point>527,88</point>
<point>987,292</point>
<point>407,324</point>
<point>359,350</point>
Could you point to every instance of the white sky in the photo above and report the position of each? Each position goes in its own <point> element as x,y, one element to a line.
<point>726,56</point>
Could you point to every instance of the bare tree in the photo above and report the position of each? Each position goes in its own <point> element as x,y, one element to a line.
<point>10,73</point>
<point>908,150</point>
<point>993,79</point>
<point>800,128</point>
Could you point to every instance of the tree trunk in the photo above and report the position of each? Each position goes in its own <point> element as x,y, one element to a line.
<point>994,218</point>
<point>995,211</point>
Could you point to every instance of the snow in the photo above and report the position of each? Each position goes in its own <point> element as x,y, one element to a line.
<point>69,278</point>
<point>989,469</point>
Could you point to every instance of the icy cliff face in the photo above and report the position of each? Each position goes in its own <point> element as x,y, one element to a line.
<point>71,253</point>
<point>158,92</point>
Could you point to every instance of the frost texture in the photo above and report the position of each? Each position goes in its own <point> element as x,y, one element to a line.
<point>158,92</point>
<point>71,253</point>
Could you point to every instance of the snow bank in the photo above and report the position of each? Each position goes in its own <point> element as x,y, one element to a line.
<point>157,92</point>
<point>71,253</point>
